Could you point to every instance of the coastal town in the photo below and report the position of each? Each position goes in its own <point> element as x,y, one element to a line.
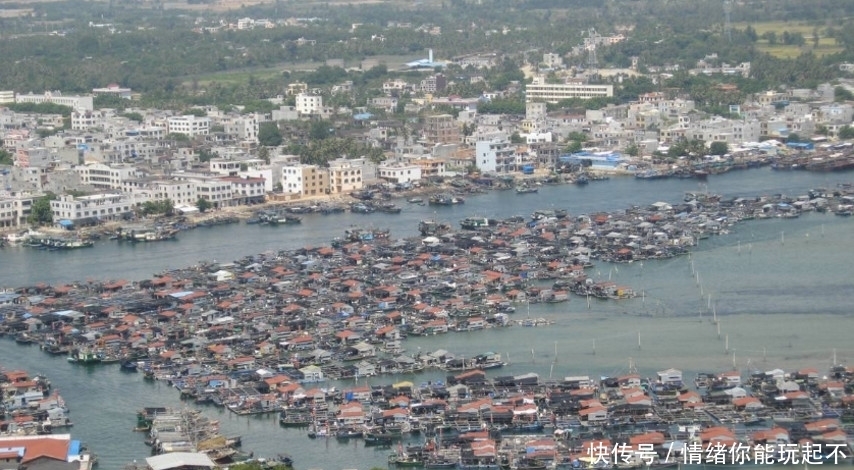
<point>108,169</point>
<point>267,334</point>
<point>365,207</point>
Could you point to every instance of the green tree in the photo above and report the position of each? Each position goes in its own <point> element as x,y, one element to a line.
<point>41,213</point>
<point>793,137</point>
<point>846,132</point>
<point>264,154</point>
<point>821,129</point>
<point>718,148</point>
<point>574,146</point>
<point>203,204</point>
<point>515,138</point>
<point>133,116</point>
<point>6,157</point>
<point>269,134</point>
<point>632,150</point>
<point>841,93</point>
<point>319,130</point>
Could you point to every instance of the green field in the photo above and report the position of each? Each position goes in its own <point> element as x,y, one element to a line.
<point>826,45</point>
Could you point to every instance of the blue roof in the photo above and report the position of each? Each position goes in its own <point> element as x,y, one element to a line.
<point>362,116</point>
<point>66,223</point>
<point>74,449</point>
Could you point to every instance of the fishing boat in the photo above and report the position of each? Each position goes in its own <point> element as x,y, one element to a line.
<point>438,463</point>
<point>445,200</point>
<point>474,223</point>
<point>524,189</point>
<point>415,200</point>
<point>402,459</point>
<point>348,433</point>
<point>129,366</point>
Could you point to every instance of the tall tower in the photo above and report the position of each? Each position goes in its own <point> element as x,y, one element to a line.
<point>592,61</point>
<point>727,23</point>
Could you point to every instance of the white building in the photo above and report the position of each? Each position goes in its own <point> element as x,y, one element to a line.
<point>246,190</point>
<point>15,208</point>
<point>344,176</point>
<point>7,96</point>
<point>495,156</point>
<point>307,103</point>
<point>244,128</point>
<point>539,90</point>
<point>181,192</point>
<point>395,172</point>
<point>83,120</point>
<point>95,207</point>
<point>104,176</point>
<point>217,191</point>
<point>189,125</point>
<point>80,103</point>
<point>225,167</point>
<point>113,89</point>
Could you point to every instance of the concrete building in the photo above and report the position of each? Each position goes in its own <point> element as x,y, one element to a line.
<point>225,167</point>
<point>92,208</point>
<point>244,127</point>
<point>84,120</point>
<point>81,103</point>
<point>189,125</point>
<point>7,96</point>
<point>246,190</point>
<point>15,208</point>
<point>305,180</point>
<point>430,166</point>
<point>217,191</point>
<point>442,129</point>
<point>399,172</point>
<point>105,177</point>
<point>39,157</point>
<point>495,156</point>
<point>181,192</point>
<point>113,89</point>
<point>344,177</point>
<point>539,90</point>
<point>307,103</point>
<point>434,83</point>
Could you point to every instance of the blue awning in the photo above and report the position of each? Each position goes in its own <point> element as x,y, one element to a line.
<point>66,223</point>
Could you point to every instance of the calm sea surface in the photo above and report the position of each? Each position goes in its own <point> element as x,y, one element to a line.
<point>781,290</point>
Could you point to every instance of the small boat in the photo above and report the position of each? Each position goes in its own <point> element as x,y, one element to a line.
<point>405,460</point>
<point>129,366</point>
<point>526,189</point>
<point>348,433</point>
<point>440,463</point>
<point>415,200</point>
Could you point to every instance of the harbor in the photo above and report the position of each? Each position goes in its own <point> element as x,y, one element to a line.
<point>661,327</point>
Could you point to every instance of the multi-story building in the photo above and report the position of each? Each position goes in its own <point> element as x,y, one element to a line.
<point>395,85</point>
<point>189,125</point>
<point>181,192</point>
<point>398,172</point>
<point>105,177</point>
<point>495,156</point>
<point>244,127</point>
<point>442,129</point>
<point>80,103</point>
<point>15,208</point>
<point>217,191</point>
<point>83,120</point>
<point>246,190</point>
<point>7,96</point>
<point>539,90</point>
<point>33,157</point>
<point>92,208</point>
<point>305,180</point>
<point>344,177</point>
<point>430,166</point>
<point>434,83</point>
<point>225,167</point>
<point>308,103</point>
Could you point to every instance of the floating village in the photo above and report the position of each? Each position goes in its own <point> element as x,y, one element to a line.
<point>264,334</point>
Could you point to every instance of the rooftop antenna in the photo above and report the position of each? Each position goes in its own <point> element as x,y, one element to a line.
<point>727,23</point>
